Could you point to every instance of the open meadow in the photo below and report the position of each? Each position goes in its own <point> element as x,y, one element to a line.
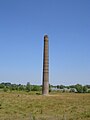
<point>58,106</point>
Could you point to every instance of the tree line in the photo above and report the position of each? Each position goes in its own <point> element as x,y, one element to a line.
<point>19,87</point>
<point>28,87</point>
<point>75,88</point>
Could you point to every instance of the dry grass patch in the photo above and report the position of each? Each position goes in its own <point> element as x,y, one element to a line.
<point>63,106</point>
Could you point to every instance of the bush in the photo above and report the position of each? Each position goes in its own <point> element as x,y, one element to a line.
<point>72,90</point>
<point>79,88</point>
<point>35,88</point>
<point>5,89</point>
<point>28,87</point>
<point>88,91</point>
<point>2,86</point>
<point>85,89</point>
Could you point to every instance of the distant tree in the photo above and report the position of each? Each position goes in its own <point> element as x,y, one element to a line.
<point>72,86</point>
<point>61,86</point>
<point>79,88</point>
<point>5,89</point>
<point>88,86</point>
<point>7,84</point>
<point>68,87</point>
<point>85,89</point>
<point>21,87</point>
<point>58,86</point>
<point>88,91</point>
<point>35,88</point>
<point>28,87</point>
<point>13,87</point>
<point>2,86</point>
<point>72,90</point>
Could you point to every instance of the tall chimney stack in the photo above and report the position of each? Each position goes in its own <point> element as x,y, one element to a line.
<point>45,86</point>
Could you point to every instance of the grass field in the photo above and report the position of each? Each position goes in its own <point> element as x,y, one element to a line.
<point>59,106</point>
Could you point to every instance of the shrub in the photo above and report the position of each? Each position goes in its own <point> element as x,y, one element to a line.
<point>85,89</point>
<point>79,88</point>
<point>5,89</point>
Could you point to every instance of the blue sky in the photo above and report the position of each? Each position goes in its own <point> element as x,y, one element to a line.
<point>23,23</point>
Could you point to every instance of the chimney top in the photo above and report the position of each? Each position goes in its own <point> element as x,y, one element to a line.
<point>46,37</point>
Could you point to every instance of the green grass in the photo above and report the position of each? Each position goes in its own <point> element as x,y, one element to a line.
<point>59,106</point>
